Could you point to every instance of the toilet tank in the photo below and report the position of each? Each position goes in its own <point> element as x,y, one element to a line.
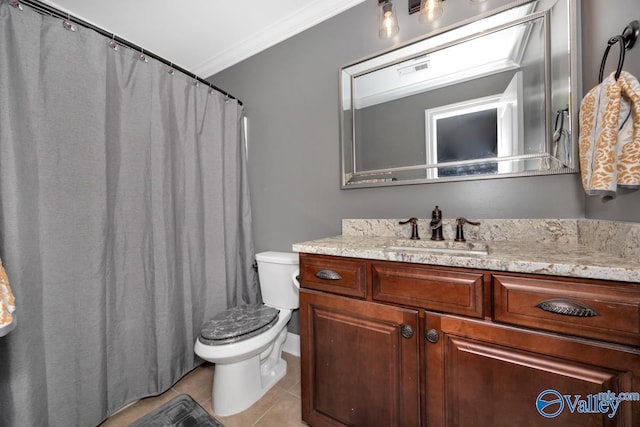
<point>277,272</point>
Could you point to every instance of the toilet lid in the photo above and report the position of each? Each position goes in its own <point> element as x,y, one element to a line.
<point>238,323</point>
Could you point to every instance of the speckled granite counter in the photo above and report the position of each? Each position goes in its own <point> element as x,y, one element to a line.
<point>570,247</point>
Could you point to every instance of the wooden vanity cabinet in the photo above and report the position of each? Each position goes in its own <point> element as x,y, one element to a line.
<point>486,374</point>
<point>480,353</point>
<point>359,362</point>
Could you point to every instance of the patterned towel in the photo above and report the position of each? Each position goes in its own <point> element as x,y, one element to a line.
<point>610,136</point>
<point>7,304</point>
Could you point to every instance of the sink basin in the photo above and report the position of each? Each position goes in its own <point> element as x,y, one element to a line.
<point>446,246</point>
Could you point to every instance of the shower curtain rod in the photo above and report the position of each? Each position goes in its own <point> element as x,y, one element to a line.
<point>46,9</point>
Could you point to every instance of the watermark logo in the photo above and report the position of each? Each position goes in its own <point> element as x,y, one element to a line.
<point>551,403</point>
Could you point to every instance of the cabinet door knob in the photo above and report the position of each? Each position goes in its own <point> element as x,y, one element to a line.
<point>406,331</point>
<point>328,275</point>
<point>566,307</point>
<point>432,336</point>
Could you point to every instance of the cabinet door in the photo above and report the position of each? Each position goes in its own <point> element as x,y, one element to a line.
<point>359,362</point>
<point>482,374</point>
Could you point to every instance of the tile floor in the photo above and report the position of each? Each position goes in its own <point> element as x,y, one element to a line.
<point>279,407</point>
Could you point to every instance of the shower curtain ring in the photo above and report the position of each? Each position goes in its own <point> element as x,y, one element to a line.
<point>67,24</point>
<point>170,70</point>
<point>16,3</point>
<point>112,43</point>
<point>142,57</point>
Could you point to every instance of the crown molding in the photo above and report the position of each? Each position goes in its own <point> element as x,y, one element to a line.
<point>311,14</point>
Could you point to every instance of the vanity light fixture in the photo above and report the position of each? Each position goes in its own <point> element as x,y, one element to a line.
<point>430,10</point>
<point>388,26</point>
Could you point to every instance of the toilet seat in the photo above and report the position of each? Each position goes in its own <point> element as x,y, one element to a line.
<point>238,324</point>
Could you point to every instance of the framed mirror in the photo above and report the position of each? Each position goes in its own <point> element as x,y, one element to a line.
<point>492,97</point>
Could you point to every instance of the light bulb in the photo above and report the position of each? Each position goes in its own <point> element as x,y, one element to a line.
<point>388,20</point>
<point>430,10</point>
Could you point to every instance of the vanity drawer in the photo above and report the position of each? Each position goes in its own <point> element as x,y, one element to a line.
<point>435,289</point>
<point>608,311</point>
<point>338,275</point>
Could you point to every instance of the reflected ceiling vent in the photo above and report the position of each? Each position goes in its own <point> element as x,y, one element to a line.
<point>421,64</point>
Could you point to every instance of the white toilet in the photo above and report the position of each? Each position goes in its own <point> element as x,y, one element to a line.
<point>245,342</point>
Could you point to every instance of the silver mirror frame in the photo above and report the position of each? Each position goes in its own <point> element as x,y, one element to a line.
<point>548,164</point>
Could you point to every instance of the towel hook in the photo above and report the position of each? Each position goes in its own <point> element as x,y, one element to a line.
<point>631,33</point>
<point>612,41</point>
<point>627,40</point>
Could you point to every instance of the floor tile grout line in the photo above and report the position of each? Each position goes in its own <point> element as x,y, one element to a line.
<point>292,394</point>
<point>263,414</point>
<point>273,405</point>
<point>176,392</point>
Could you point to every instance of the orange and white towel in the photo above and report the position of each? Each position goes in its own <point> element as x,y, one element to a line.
<point>7,304</point>
<point>610,136</point>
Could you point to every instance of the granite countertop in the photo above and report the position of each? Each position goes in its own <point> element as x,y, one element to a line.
<point>562,252</point>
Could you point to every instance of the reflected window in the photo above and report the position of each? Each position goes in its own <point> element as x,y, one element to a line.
<point>467,137</point>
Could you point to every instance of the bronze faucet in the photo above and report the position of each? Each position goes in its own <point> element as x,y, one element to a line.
<point>436,224</point>
<point>414,227</point>
<point>460,221</point>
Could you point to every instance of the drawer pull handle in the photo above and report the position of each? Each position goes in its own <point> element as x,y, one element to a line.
<point>406,331</point>
<point>432,336</point>
<point>567,308</point>
<point>328,275</point>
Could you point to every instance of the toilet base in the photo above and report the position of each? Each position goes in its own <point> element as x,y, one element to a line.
<point>237,386</point>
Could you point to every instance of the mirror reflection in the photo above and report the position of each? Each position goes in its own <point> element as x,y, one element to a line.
<point>488,99</point>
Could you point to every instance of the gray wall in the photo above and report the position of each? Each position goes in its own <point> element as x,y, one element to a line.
<point>291,96</point>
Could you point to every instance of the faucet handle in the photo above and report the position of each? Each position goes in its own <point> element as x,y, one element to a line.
<point>414,227</point>
<point>460,221</point>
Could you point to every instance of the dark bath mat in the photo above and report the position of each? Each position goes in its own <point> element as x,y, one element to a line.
<point>181,411</point>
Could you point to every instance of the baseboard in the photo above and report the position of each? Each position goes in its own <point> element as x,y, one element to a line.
<point>292,344</point>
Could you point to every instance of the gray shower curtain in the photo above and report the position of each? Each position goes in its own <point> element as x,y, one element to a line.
<point>124,221</point>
